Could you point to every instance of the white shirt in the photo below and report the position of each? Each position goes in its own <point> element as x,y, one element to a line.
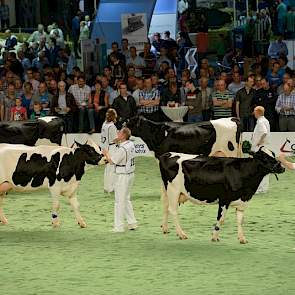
<point>262,127</point>
<point>108,135</point>
<point>182,6</point>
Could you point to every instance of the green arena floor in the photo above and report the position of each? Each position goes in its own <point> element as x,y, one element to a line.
<point>36,259</point>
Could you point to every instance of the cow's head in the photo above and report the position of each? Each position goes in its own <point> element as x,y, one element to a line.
<point>89,154</point>
<point>135,124</point>
<point>268,160</point>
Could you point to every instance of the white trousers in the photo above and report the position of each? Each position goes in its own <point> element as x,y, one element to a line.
<point>109,174</point>
<point>123,205</point>
<point>264,185</point>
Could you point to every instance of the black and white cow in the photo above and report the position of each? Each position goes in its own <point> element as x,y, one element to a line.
<point>220,137</point>
<point>28,132</point>
<point>58,168</point>
<point>211,180</point>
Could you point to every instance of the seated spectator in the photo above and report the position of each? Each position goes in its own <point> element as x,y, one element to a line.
<point>38,35</point>
<point>51,52</point>
<point>40,61</point>
<point>162,58</point>
<point>136,61</point>
<point>273,77</point>
<point>25,62</point>
<point>157,41</point>
<point>27,98</point>
<point>278,47</point>
<point>107,89</point>
<point>124,105</point>
<point>125,49</point>
<point>169,42</point>
<point>64,106</point>
<point>7,103</point>
<point>10,41</point>
<point>53,89</point>
<point>116,51</point>
<point>18,112</point>
<point>118,68</point>
<point>37,111</point>
<point>139,87</point>
<point>285,79</point>
<point>18,87</point>
<point>222,101</point>
<point>131,79</point>
<point>206,94</point>
<point>15,65</point>
<point>44,97</point>
<point>149,58</point>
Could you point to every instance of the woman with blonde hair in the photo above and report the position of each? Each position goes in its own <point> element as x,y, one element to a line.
<point>108,142</point>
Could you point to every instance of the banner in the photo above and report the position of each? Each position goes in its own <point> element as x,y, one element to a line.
<point>134,28</point>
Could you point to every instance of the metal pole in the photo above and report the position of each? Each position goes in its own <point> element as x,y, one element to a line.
<point>257,3</point>
<point>95,5</point>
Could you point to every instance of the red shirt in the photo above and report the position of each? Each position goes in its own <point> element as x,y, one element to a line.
<point>19,113</point>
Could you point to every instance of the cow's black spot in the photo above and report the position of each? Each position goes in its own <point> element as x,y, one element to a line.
<point>239,129</point>
<point>168,167</point>
<point>35,169</point>
<point>230,146</point>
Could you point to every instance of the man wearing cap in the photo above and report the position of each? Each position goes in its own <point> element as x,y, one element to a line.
<point>157,43</point>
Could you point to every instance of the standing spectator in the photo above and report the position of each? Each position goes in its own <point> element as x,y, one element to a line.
<point>97,107</point>
<point>81,93</point>
<point>123,159</point>
<point>51,52</point>
<point>206,94</point>
<point>64,106</point>
<point>8,103</point>
<point>4,15</point>
<point>163,58</point>
<point>131,79</point>
<point>27,98</point>
<point>115,50</point>
<point>44,97</point>
<point>222,101</point>
<point>290,23</point>
<point>124,105</point>
<point>18,87</point>
<point>285,107</point>
<point>118,68</point>
<point>149,100</point>
<point>244,105</point>
<point>278,47</point>
<point>157,42</point>
<point>236,84</point>
<point>84,31</point>
<point>135,60</point>
<point>281,12</point>
<point>76,32</point>
<point>10,41</point>
<point>267,98</point>
<point>108,142</point>
<point>139,87</point>
<point>149,58</point>
<point>125,49</point>
<point>18,112</point>
<point>170,94</point>
<point>168,41</point>
<point>194,102</point>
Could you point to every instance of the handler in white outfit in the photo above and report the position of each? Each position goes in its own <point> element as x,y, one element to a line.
<point>260,138</point>
<point>108,142</point>
<point>123,159</point>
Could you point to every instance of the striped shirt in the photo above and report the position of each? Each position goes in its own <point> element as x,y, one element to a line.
<point>219,111</point>
<point>286,101</point>
<point>4,12</point>
<point>81,95</point>
<point>152,94</point>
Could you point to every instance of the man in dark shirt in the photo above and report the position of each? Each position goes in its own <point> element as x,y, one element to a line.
<point>244,103</point>
<point>267,98</point>
<point>124,105</point>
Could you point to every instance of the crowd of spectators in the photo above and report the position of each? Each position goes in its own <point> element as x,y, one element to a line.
<point>42,78</point>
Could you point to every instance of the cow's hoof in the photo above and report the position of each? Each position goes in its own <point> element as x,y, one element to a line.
<point>243,241</point>
<point>215,240</point>
<point>82,223</point>
<point>182,236</point>
<point>4,220</point>
<point>165,229</point>
<point>55,223</point>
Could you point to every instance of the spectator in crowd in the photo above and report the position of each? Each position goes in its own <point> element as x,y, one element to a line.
<point>4,15</point>
<point>285,106</point>
<point>290,23</point>
<point>18,112</point>
<point>84,31</point>
<point>273,76</point>
<point>182,6</point>
<point>38,35</point>
<point>97,107</point>
<point>10,41</point>
<point>107,88</point>
<point>281,13</point>
<point>116,51</point>
<point>206,94</point>
<point>81,93</point>
<point>18,84</point>
<point>25,62</point>
<point>171,95</point>
<point>37,111</point>
<point>53,88</point>
<point>131,79</point>
<point>194,102</point>
<point>157,42</point>
<point>76,32</point>
<point>27,98</point>
<point>139,87</point>
<point>136,61</point>
<point>125,48</point>
<point>244,105</point>
<point>7,103</point>
<point>267,98</point>
<point>64,106</point>
<point>184,43</point>
<point>236,84</point>
<point>40,61</point>
<point>149,100</point>
<point>285,79</point>
<point>163,58</point>
<point>44,97</point>
<point>51,52</point>
<point>169,42</point>
<point>124,105</point>
<point>278,47</point>
<point>222,101</point>
<point>118,68</point>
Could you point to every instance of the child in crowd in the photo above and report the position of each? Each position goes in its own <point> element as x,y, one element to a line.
<point>37,111</point>
<point>18,112</point>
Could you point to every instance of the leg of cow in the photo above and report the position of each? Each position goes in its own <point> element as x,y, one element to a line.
<point>3,219</point>
<point>173,197</point>
<point>55,208</point>
<point>76,208</point>
<point>220,220</point>
<point>240,218</point>
<point>164,225</point>
<point>4,187</point>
